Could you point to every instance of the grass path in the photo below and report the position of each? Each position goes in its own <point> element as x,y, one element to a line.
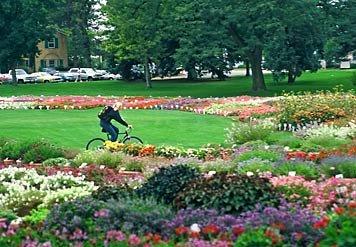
<point>74,128</point>
<point>321,80</point>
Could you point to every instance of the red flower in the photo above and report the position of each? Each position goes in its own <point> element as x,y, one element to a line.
<point>321,223</point>
<point>211,229</point>
<point>156,238</point>
<point>339,210</point>
<point>181,230</point>
<point>279,225</point>
<point>352,204</point>
<point>238,230</point>
<point>194,234</point>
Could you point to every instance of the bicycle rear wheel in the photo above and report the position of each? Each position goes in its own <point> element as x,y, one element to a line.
<point>133,140</point>
<point>95,144</point>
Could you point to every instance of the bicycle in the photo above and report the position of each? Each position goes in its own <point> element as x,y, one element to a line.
<point>98,143</point>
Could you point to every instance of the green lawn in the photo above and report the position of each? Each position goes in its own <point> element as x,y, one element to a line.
<point>74,128</point>
<point>231,87</point>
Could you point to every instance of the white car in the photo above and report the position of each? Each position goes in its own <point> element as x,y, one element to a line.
<point>105,75</point>
<point>46,77</point>
<point>86,73</point>
<point>22,76</point>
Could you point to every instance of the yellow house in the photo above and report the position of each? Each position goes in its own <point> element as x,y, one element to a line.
<point>53,53</point>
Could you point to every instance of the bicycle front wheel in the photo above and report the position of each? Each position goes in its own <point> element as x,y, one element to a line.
<point>133,140</point>
<point>95,144</point>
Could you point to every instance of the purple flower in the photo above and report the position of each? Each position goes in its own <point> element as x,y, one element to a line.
<point>115,235</point>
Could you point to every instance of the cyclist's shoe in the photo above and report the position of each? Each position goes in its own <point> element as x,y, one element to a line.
<point>103,130</point>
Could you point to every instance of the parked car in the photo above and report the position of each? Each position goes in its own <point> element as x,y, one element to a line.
<point>66,76</point>
<point>50,71</point>
<point>46,77</point>
<point>86,73</point>
<point>105,75</point>
<point>22,76</point>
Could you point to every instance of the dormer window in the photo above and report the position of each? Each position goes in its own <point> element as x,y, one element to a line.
<point>52,43</point>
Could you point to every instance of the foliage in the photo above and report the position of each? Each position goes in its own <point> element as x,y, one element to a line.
<point>335,165</point>
<point>340,230</point>
<point>254,165</point>
<point>261,154</point>
<point>32,150</point>
<point>177,177</point>
<point>241,133</point>
<point>106,158</point>
<point>253,238</point>
<point>56,162</point>
<point>33,28</point>
<point>227,193</point>
<point>36,216</point>
<point>106,193</point>
<point>306,169</point>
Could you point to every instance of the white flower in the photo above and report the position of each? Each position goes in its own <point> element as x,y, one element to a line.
<point>292,173</point>
<point>195,228</point>
<point>339,176</point>
<point>249,174</point>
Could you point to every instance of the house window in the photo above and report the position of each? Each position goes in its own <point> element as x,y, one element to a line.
<point>60,62</point>
<point>51,63</point>
<point>43,63</point>
<point>52,43</point>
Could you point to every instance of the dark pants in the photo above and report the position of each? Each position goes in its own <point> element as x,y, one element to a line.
<point>111,129</point>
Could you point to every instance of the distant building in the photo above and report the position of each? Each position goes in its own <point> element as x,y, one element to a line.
<point>53,53</point>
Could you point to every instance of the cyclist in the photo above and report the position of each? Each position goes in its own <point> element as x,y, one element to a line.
<point>109,113</point>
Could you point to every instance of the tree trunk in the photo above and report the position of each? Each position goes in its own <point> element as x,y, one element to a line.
<point>147,74</point>
<point>255,58</point>
<point>247,68</point>
<point>13,74</point>
<point>291,77</point>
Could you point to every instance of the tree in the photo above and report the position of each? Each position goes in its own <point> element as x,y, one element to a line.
<point>136,30</point>
<point>21,30</point>
<point>297,43</point>
<point>341,19</point>
<point>78,20</point>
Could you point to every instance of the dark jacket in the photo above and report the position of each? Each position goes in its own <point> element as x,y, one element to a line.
<point>108,114</point>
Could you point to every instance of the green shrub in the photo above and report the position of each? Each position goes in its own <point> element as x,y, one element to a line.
<point>339,165</point>
<point>134,165</point>
<point>106,193</point>
<point>10,149</point>
<point>306,169</point>
<point>227,193</point>
<point>241,133</point>
<point>216,165</point>
<point>168,182</point>
<point>255,165</point>
<point>8,215</point>
<point>323,142</point>
<point>36,216</point>
<point>261,154</point>
<point>106,158</point>
<point>87,157</point>
<point>285,139</point>
<point>253,238</point>
<point>56,162</point>
<point>41,151</point>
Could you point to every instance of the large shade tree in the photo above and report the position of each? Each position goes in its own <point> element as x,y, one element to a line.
<point>298,41</point>
<point>23,24</point>
<point>136,30</point>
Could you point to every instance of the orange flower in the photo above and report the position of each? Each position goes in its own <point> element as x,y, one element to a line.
<point>238,230</point>
<point>181,230</point>
<point>339,210</point>
<point>321,223</point>
<point>211,229</point>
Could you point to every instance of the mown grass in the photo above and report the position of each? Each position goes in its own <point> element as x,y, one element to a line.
<point>322,80</point>
<point>74,128</point>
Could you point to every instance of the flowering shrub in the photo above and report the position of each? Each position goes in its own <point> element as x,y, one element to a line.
<point>24,189</point>
<point>320,107</point>
<point>334,165</point>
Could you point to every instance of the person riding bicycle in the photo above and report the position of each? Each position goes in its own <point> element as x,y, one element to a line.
<point>109,113</point>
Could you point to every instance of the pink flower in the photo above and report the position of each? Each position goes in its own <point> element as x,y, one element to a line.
<point>103,213</point>
<point>115,235</point>
<point>134,240</point>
